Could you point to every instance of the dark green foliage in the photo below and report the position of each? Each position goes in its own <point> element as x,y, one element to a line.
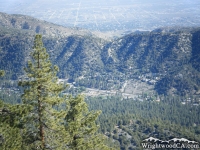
<point>25,25</point>
<point>41,91</point>
<point>11,125</point>
<point>81,126</point>
<point>130,121</point>
<point>13,21</point>
<point>195,59</point>
<point>12,52</point>
<point>185,80</point>
<point>37,30</point>
<point>168,109</point>
<point>89,61</point>
<point>41,121</point>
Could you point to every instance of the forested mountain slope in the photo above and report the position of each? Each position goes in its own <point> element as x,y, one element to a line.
<point>173,56</point>
<point>167,58</point>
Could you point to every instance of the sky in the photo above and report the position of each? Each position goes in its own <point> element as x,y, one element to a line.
<point>109,15</point>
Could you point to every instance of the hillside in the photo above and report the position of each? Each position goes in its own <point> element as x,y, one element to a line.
<point>165,60</point>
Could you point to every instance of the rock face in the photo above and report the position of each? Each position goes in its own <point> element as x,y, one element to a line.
<point>169,58</point>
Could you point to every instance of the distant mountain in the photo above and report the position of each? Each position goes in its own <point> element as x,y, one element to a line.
<point>172,55</point>
<point>28,23</point>
<point>66,46</point>
<point>168,58</point>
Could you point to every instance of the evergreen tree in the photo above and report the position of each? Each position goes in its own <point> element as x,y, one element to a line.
<point>10,138</point>
<point>40,122</point>
<point>11,126</point>
<point>80,124</point>
<point>43,124</point>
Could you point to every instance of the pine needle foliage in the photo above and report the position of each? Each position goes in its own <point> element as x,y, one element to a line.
<point>10,138</point>
<point>45,120</point>
<point>10,124</point>
<point>81,125</point>
<point>44,129</point>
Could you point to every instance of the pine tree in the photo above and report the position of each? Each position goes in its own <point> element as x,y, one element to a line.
<point>10,125</point>
<point>40,122</point>
<point>43,124</point>
<point>81,125</point>
<point>10,137</point>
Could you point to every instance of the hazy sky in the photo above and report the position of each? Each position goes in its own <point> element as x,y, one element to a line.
<point>106,15</point>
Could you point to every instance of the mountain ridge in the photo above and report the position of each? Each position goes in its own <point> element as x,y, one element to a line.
<point>168,57</point>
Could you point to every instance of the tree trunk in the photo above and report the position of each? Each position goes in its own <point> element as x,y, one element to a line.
<point>40,111</point>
